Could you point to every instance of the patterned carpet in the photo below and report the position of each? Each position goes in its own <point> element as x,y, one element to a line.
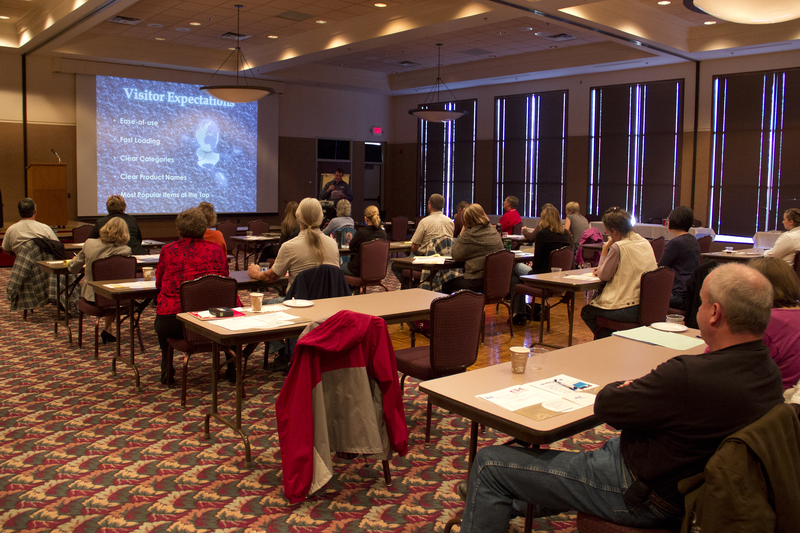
<point>81,451</point>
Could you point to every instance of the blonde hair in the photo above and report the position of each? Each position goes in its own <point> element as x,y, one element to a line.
<point>343,208</point>
<point>474,215</point>
<point>115,232</point>
<point>115,204</point>
<point>289,218</point>
<point>309,215</point>
<point>573,207</point>
<point>551,220</point>
<point>371,213</point>
<point>209,211</point>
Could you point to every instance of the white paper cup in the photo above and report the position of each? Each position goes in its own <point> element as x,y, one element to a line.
<point>147,272</point>
<point>255,300</point>
<point>539,357</point>
<point>249,233</point>
<point>729,249</point>
<point>519,359</point>
<point>675,319</point>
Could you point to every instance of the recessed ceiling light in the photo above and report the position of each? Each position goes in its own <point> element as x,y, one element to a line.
<point>320,21</point>
<point>664,3</point>
<point>155,25</point>
<point>272,36</point>
<point>183,29</point>
<point>525,28</point>
<point>194,24</point>
<point>552,47</point>
<point>379,4</point>
<point>159,38</point>
<point>710,22</point>
<point>232,48</point>
<point>501,32</point>
<point>3,17</point>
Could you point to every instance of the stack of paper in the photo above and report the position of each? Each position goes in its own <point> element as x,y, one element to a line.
<point>649,335</point>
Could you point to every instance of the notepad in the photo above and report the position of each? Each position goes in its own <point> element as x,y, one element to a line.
<point>649,335</point>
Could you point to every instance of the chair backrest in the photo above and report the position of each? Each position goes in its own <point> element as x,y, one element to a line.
<point>562,258</point>
<point>81,233</point>
<point>258,227</point>
<point>318,283</point>
<point>797,263</point>
<point>202,294</point>
<point>114,267</point>
<point>399,228</point>
<point>705,243</point>
<point>654,294</point>
<point>228,230</point>
<point>455,331</point>
<point>497,275</point>
<point>374,260</point>
<point>697,223</point>
<point>658,247</point>
<point>656,221</point>
<point>517,229</point>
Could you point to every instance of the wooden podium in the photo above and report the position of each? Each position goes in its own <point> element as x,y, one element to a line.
<point>47,186</point>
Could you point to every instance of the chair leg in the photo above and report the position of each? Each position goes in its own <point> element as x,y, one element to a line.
<point>387,474</point>
<point>80,329</point>
<point>184,376</point>
<point>97,341</point>
<point>428,424</point>
<point>25,315</point>
<point>483,324</point>
<point>402,383</point>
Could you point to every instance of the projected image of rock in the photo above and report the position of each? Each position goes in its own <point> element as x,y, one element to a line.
<point>166,146</point>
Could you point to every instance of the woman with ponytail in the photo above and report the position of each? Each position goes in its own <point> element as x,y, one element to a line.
<point>370,231</point>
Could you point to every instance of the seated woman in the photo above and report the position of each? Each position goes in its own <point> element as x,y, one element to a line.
<point>623,260</point>
<point>182,260</point>
<point>370,231</point>
<point>530,233</point>
<point>211,219</point>
<point>788,243</point>
<point>576,223</point>
<point>682,254</point>
<point>550,236</point>
<point>113,241</point>
<point>342,219</point>
<point>289,230</point>
<point>782,336</point>
<point>477,240</point>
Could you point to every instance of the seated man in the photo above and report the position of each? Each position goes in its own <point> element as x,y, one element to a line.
<point>671,422</point>
<point>510,216</point>
<point>26,229</point>
<point>115,205</point>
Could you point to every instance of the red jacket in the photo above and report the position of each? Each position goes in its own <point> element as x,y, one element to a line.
<point>327,403</point>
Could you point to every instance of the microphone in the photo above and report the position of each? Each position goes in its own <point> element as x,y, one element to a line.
<point>56,154</point>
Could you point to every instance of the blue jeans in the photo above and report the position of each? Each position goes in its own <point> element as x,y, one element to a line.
<point>589,314</point>
<point>593,482</point>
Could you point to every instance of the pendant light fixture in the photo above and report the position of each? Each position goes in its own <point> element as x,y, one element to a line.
<point>436,115</point>
<point>747,11</point>
<point>237,94</point>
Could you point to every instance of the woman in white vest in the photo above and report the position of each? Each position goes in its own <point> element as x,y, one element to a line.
<point>625,257</point>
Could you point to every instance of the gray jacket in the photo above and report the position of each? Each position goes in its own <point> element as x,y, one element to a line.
<point>473,245</point>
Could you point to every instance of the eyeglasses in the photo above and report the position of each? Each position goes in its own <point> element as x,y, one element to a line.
<point>614,209</point>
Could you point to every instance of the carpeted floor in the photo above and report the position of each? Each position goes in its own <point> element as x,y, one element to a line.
<point>81,451</point>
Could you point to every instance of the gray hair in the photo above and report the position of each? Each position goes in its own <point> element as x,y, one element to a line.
<point>343,208</point>
<point>745,296</point>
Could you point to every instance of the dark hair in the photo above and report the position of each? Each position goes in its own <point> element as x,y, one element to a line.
<point>618,219</point>
<point>115,204</point>
<point>681,218</point>
<point>339,171</point>
<point>26,208</point>
<point>785,284</point>
<point>191,223</point>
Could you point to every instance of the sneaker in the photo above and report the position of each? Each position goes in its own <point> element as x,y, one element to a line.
<point>461,490</point>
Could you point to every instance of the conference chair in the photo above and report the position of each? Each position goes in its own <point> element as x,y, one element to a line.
<point>374,260</point>
<point>399,228</point>
<point>655,292</point>
<point>228,230</point>
<point>797,263</point>
<point>705,243</point>
<point>496,280</point>
<point>561,258</point>
<point>454,337</point>
<point>81,233</point>
<point>29,287</point>
<point>516,230</point>
<point>658,247</point>
<point>114,267</point>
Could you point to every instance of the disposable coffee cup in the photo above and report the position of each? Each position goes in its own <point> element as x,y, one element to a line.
<point>147,272</point>
<point>539,357</point>
<point>249,233</point>
<point>556,271</point>
<point>729,249</point>
<point>675,319</point>
<point>255,300</point>
<point>519,359</point>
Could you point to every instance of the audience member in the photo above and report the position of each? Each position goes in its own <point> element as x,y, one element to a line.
<point>26,229</point>
<point>510,216</point>
<point>289,230</point>
<point>672,420</point>
<point>436,224</point>
<point>115,205</point>
<point>373,229</point>
<point>530,233</point>
<point>550,236</point>
<point>575,223</point>
<point>477,240</point>
<point>788,243</point>
<point>113,241</point>
<point>782,336</point>
<point>342,219</point>
<point>682,254</point>
<point>623,260</point>
<point>211,220</point>
<point>458,220</point>
<point>186,259</point>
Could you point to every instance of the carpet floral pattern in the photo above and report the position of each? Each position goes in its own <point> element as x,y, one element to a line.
<point>81,451</point>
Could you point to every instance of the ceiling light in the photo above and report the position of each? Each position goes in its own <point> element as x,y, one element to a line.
<point>194,24</point>
<point>272,36</point>
<point>320,21</point>
<point>183,29</point>
<point>501,32</point>
<point>710,22</point>
<point>379,4</point>
<point>748,11</point>
<point>664,3</point>
<point>159,38</point>
<point>3,17</point>
<point>237,93</point>
<point>436,115</point>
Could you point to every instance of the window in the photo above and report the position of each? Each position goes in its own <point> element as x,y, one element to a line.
<point>635,141</point>
<point>755,161</point>
<point>447,157</point>
<point>530,150</point>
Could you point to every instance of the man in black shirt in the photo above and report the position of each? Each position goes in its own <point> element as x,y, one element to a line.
<point>671,422</point>
<point>337,189</point>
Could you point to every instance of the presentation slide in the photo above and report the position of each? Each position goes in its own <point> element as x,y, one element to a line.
<point>168,146</point>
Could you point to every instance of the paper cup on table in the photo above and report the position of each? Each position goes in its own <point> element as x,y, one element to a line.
<point>539,357</point>
<point>255,300</point>
<point>519,359</point>
<point>556,271</point>
<point>147,272</point>
<point>675,319</point>
<point>249,233</point>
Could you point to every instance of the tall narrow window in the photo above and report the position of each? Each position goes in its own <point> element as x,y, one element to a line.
<point>755,158</point>
<point>530,150</point>
<point>635,147</point>
<point>447,157</point>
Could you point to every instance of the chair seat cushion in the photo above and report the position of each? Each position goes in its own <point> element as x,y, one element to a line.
<point>353,281</point>
<point>90,308</point>
<point>416,362</point>
<point>521,288</point>
<point>182,345</point>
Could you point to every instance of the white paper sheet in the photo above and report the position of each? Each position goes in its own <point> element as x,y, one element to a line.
<point>559,393</point>
<point>132,285</point>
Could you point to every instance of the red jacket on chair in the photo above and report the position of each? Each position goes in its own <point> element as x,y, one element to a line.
<point>341,395</point>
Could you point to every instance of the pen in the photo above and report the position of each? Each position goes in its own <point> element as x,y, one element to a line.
<point>570,387</point>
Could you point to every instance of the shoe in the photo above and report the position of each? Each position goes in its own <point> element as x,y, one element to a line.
<point>168,377</point>
<point>107,337</point>
<point>520,319</point>
<point>230,373</point>
<point>461,490</point>
<point>280,364</point>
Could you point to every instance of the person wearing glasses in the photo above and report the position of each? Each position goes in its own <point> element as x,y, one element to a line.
<point>625,257</point>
